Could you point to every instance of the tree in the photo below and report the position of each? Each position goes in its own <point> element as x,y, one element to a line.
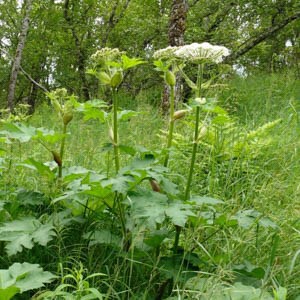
<point>177,27</point>
<point>18,57</point>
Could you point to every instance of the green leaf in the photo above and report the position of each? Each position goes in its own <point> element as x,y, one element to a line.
<point>161,66</point>
<point>125,115</point>
<point>48,136</point>
<point>93,109</point>
<point>197,200</point>
<point>127,149</point>
<point>179,212</point>
<point>42,169</point>
<point>149,206</point>
<point>250,217</point>
<point>118,184</point>
<point>128,63</point>
<point>19,132</point>
<point>24,233</point>
<point>9,292</point>
<point>102,237</point>
<point>155,238</point>
<point>31,198</point>
<point>24,277</point>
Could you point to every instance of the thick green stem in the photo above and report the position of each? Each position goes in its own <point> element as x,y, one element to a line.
<point>61,152</point>
<point>115,131</point>
<point>171,124</point>
<point>194,153</point>
<point>193,158</point>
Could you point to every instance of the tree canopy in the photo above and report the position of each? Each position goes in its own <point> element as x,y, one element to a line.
<point>62,35</point>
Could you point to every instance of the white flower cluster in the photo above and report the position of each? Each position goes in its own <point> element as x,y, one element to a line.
<point>166,53</point>
<point>194,52</point>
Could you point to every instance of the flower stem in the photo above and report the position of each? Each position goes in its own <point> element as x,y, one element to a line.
<point>196,135</point>
<point>194,153</point>
<point>115,130</point>
<point>171,124</point>
<point>62,150</point>
<point>193,158</point>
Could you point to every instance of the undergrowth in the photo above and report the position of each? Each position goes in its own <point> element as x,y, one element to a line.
<point>98,233</point>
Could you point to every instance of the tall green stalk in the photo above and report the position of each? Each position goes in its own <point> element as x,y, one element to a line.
<point>196,134</point>
<point>194,153</point>
<point>61,152</point>
<point>115,131</point>
<point>171,124</point>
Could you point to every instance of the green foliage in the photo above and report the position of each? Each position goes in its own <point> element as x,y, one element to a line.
<point>234,237</point>
<point>24,233</point>
<point>20,278</point>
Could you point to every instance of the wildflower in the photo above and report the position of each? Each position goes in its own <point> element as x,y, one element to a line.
<point>204,51</point>
<point>165,53</point>
<point>105,54</point>
<point>200,100</point>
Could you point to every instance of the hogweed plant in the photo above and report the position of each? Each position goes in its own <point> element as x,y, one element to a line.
<point>109,66</point>
<point>173,59</point>
<point>64,106</point>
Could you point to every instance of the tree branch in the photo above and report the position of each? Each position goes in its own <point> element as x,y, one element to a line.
<point>252,42</point>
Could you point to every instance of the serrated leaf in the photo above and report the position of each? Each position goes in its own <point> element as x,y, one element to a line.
<point>24,277</point>
<point>102,237</point>
<point>118,184</point>
<point>247,218</point>
<point>23,233</point>
<point>16,131</point>
<point>198,200</point>
<point>125,115</point>
<point>128,62</point>
<point>41,168</point>
<point>179,212</point>
<point>148,205</point>
<point>30,198</point>
<point>127,149</point>
<point>48,136</point>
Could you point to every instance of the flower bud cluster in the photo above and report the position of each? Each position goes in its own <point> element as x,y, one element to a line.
<point>104,54</point>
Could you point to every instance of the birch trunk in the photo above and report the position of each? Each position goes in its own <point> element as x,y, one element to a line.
<point>18,57</point>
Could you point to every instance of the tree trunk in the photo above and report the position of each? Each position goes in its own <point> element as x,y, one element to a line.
<point>177,26</point>
<point>18,57</point>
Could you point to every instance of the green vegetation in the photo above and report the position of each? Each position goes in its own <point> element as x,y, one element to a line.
<point>149,149</point>
<point>239,230</point>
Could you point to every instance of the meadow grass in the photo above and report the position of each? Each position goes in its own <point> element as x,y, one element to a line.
<point>265,179</point>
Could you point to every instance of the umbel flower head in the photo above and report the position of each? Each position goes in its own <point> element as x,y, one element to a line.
<point>194,53</point>
<point>204,51</point>
<point>165,53</point>
<point>106,54</point>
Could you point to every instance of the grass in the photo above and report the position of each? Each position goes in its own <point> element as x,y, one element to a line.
<point>264,179</point>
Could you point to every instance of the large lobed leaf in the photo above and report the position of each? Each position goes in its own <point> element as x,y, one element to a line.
<point>22,277</point>
<point>24,233</point>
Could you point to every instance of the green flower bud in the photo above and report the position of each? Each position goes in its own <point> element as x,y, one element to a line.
<point>57,158</point>
<point>67,118</point>
<point>116,79</point>
<point>104,77</point>
<point>179,114</point>
<point>68,113</point>
<point>170,78</point>
<point>56,105</point>
<point>111,134</point>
